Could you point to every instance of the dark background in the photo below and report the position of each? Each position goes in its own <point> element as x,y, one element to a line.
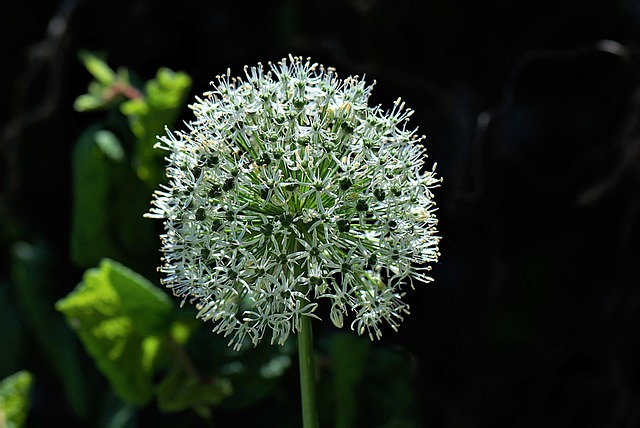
<point>531,110</point>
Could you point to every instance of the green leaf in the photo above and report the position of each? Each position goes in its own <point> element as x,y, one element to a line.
<point>13,338</point>
<point>14,399</point>
<point>164,99</point>
<point>97,67</point>
<point>110,145</point>
<point>88,102</point>
<point>108,89</point>
<point>100,92</point>
<point>150,307</point>
<point>255,373</point>
<point>119,317</point>
<point>93,187</point>
<point>33,273</point>
<point>348,353</point>
<point>168,89</point>
<point>116,414</point>
<point>109,202</point>
<point>180,390</point>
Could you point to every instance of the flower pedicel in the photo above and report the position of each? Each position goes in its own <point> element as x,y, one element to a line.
<point>288,190</point>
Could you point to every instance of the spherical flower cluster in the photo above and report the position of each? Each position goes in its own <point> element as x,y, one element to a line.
<point>288,190</point>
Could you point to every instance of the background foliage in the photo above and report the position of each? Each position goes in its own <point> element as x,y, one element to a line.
<point>531,110</point>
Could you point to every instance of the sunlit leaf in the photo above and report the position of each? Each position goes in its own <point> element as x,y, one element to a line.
<point>14,399</point>
<point>120,317</point>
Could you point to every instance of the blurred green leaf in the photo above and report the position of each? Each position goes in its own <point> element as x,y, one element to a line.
<point>164,99</point>
<point>180,390</point>
<point>14,399</point>
<point>255,374</point>
<point>32,272</point>
<point>108,204</point>
<point>119,316</point>
<point>348,353</point>
<point>183,327</point>
<point>116,413</point>
<point>87,102</point>
<point>98,67</point>
<point>12,333</point>
<point>92,231</point>
<point>112,179</point>
<point>110,145</point>
<point>109,87</point>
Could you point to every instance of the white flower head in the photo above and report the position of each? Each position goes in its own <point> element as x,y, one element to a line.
<point>288,190</point>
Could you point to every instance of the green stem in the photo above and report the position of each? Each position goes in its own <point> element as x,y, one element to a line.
<point>307,374</point>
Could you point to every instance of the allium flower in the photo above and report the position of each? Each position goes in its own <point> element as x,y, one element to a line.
<point>289,190</point>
